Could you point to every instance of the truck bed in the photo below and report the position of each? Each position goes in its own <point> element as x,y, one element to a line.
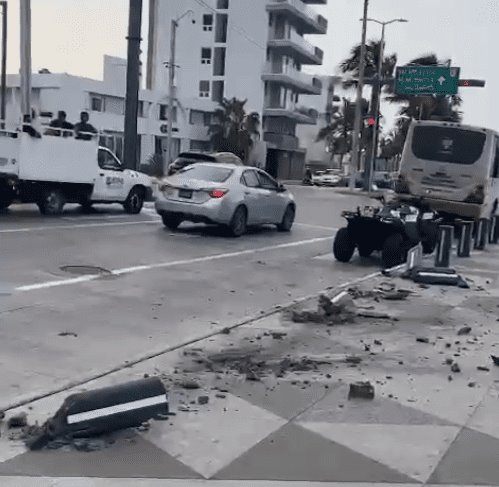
<point>57,159</point>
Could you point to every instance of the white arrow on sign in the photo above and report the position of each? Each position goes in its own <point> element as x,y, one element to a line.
<point>442,80</point>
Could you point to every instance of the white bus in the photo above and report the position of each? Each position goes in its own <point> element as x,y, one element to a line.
<point>454,168</point>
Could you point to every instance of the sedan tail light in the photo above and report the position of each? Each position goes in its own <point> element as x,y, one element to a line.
<point>217,193</point>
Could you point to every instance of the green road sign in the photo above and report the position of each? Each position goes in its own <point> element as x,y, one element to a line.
<point>427,80</point>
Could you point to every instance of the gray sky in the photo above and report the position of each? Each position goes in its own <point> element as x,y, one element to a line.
<point>73,35</point>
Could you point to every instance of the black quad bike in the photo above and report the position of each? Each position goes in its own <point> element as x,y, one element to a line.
<point>393,229</point>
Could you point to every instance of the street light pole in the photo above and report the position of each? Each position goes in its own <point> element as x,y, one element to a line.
<point>25,38</point>
<point>3,4</point>
<point>171,94</point>
<point>358,107</point>
<point>378,85</point>
<point>171,87</point>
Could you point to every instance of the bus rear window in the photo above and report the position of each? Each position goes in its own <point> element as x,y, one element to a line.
<point>448,144</point>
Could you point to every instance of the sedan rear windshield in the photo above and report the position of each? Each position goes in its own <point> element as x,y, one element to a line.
<point>206,173</point>
<point>448,144</point>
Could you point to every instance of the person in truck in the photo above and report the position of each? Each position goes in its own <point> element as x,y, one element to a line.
<point>62,124</point>
<point>84,129</point>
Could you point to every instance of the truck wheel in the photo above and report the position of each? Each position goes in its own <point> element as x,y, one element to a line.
<point>393,251</point>
<point>52,202</point>
<point>171,222</point>
<point>5,202</point>
<point>343,247</point>
<point>135,201</point>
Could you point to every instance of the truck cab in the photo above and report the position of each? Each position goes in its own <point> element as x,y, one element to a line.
<point>51,171</point>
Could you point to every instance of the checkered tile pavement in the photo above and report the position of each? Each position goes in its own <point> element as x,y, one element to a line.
<point>421,428</point>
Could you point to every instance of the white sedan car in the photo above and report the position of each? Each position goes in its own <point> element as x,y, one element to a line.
<point>328,178</point>
<point>225,194</point>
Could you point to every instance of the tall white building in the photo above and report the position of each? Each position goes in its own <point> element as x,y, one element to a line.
<point>248,49</point>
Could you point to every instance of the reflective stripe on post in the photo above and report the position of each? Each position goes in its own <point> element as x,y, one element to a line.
<point>482,234</point>
<point>465,238</point>
<point>414,257</point>
<point>493,234</point>
<point>444,245</point>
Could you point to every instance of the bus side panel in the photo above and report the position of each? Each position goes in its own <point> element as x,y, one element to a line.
<point>58,159</point>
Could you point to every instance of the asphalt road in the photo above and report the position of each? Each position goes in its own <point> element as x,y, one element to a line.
<point>157,289</point>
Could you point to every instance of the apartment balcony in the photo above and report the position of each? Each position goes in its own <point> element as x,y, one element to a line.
<point>291,77</point>
<point>300,117</point>
<point>309,21</point>
<point>298,48</point>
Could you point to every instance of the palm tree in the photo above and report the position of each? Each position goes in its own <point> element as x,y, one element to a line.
<point>234,131</point>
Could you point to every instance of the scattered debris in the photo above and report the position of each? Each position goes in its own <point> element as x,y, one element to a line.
<point>375,315</point>
<point>398,295</point>
<point>226,331</point>
<point>423,340</point>
<point>483,368</point>
<point>251,375</point>
<point>330,311</point>
<point>449,361</point>
<point>220,396</point>
<point>465,330</point>
<point>361,390</point>
<point>68,334</point>
<point>18,421</point>
<point>278,335</point>
<point>471,384</point>
<point>378,342</point>
<point>190,385</point>
<point>455,368</point>
<point>495,360</point>
<point>203,400</point>
<point>353,359</point>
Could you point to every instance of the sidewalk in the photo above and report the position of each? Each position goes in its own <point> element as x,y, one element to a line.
<point>278,407</point>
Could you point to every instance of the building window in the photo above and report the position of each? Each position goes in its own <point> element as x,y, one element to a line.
<point>205,55</point>
<point>207,22</point>
<point>223,4</point>
<point>163,112</point>
<point>96,103</point>
<point>204,89</point>
<point>221,28</point>
<point>217,91</point>
<point>219,62</point>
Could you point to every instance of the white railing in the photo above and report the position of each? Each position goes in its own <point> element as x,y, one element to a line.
<point>294,73</point>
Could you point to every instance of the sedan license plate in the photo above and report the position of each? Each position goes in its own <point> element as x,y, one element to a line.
<point>185,193</point>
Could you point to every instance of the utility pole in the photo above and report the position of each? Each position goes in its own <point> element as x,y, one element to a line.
<point>132,83</point>
<point>358,105</point>
<point>25,71</point>
<point>171,94</point>
<point>3,4</point>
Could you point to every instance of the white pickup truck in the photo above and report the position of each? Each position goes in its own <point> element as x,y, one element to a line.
<point>54,170</point>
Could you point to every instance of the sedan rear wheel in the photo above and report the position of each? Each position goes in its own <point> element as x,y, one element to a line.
<point>238,224</point>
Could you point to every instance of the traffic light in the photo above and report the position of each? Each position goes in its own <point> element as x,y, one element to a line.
<point>472,83</point>
<point>371,121</point>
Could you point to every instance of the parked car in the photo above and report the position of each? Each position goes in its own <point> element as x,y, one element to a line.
<point>185,159</point>
<point>225,194</point>
<point>330,177</point>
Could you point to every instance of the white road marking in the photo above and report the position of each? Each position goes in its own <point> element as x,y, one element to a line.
<point>162,265</point>
<point>319,227</point>
<point>83,225</point>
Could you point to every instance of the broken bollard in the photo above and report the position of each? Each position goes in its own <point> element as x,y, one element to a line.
<point>361,390</point>
<point>93,413</point>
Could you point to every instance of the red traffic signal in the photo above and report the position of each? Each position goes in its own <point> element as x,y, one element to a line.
<point>371,121</point>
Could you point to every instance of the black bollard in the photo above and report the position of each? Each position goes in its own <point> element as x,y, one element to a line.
<point>482,234</point>
<point>444,245</point>
<point>493,233</point>
<point>465,239</point>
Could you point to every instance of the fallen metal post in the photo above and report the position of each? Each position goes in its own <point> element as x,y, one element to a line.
<point>465,239</point>
<point>444,246</point>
